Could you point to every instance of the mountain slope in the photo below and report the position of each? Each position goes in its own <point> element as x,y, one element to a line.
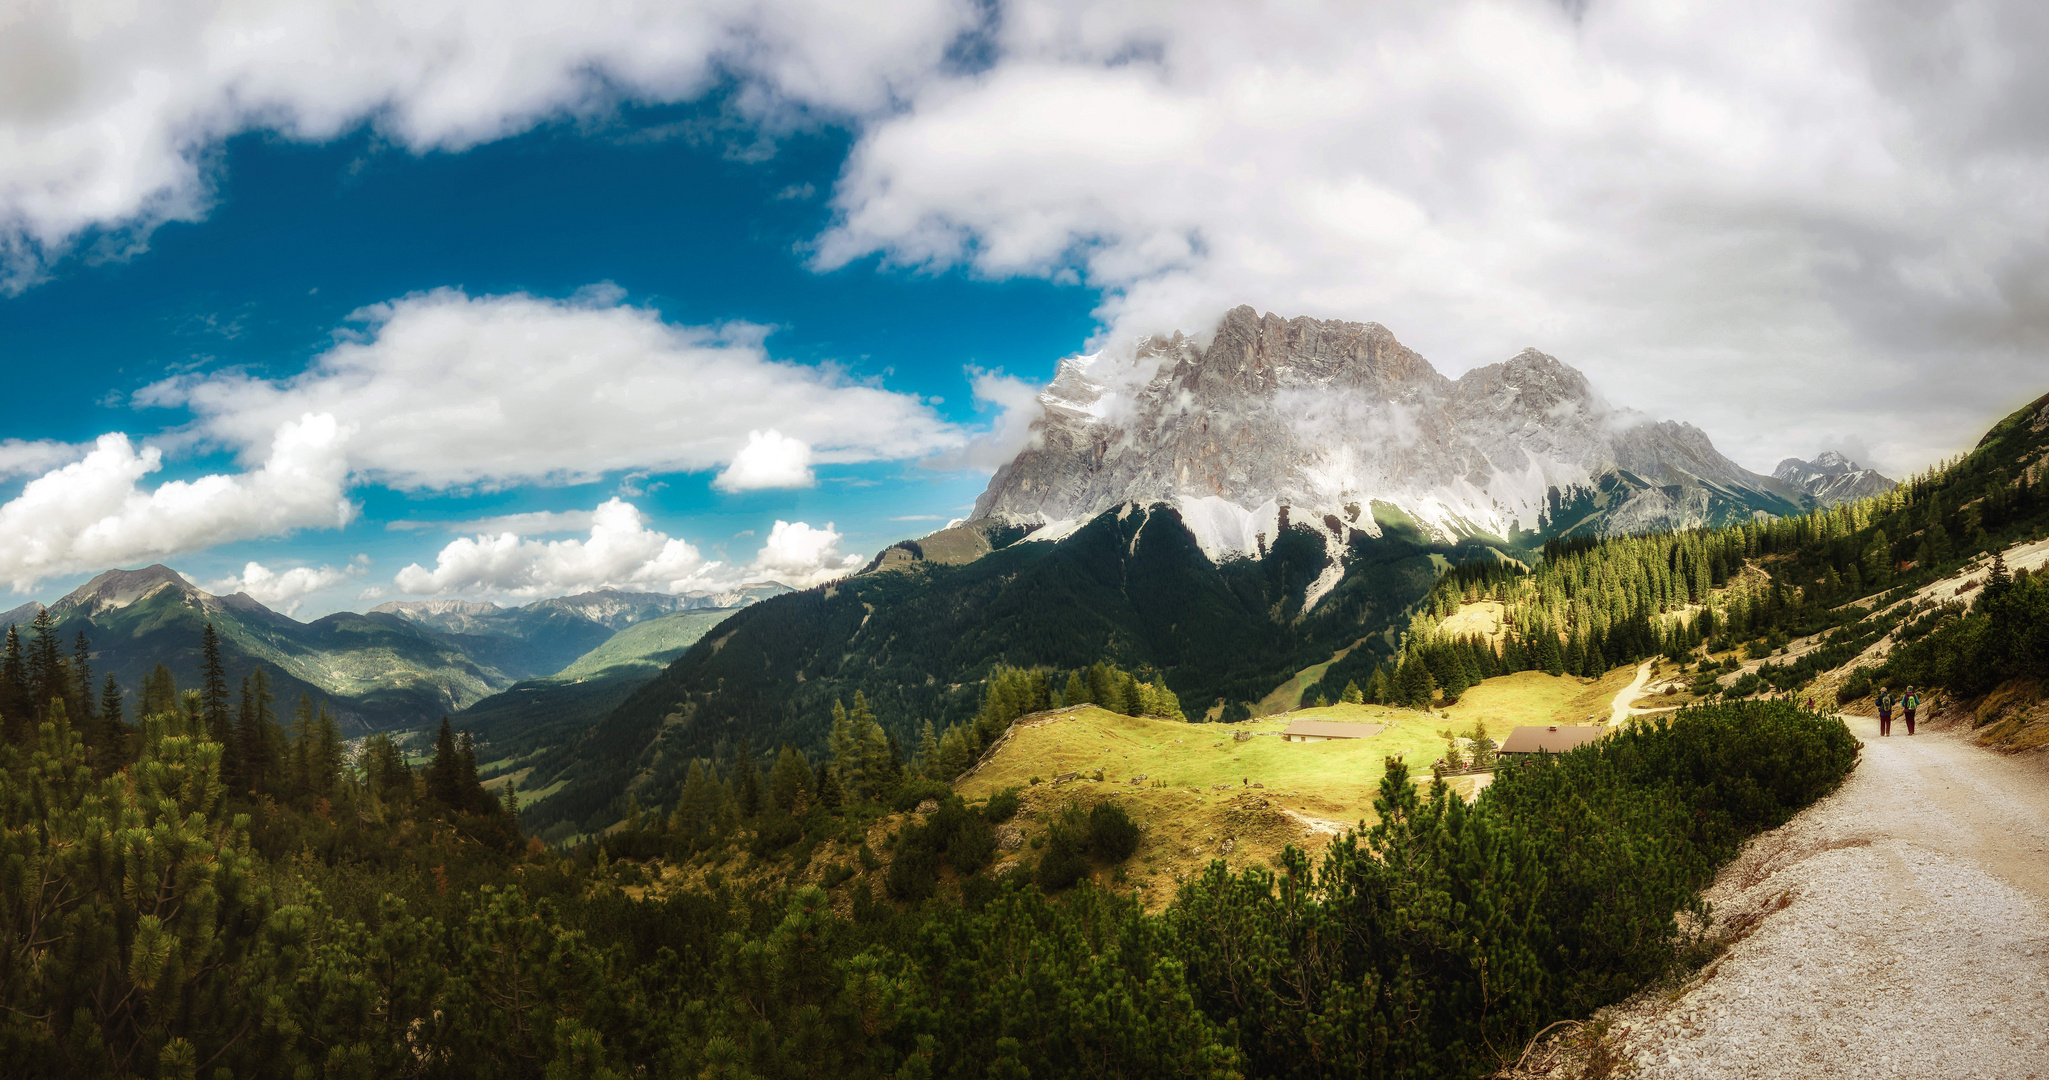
<point>1132,585</point>
<point>544,712</point>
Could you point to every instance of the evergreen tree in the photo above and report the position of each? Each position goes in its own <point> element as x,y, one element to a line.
<point>696,813</point>
<point>299,763</point>
<point>928,750</point>
<point>213,699</point>
<point>444,774</point>
<point>1352,694</point>
<point>159,693</point>
<point>746,781</point>
<point>789,780</point>
<point>466,773</point>
<point>1077,692</point>
<point>47,679</point>
<point>114,728</point>
<point>326,772</point>
<point>14,699</point>
<point>830,794</point>
<point>81,688</point>
<point>254,727</point>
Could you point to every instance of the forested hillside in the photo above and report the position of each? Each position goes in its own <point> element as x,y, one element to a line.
<point>1130,587</point>
<point>1843,572</point>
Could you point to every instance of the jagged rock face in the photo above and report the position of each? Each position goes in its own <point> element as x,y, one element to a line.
<point>1328,418</point>
<point>1832,478</point>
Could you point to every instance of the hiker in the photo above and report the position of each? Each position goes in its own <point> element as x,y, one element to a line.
<point>1885,712</point>
<point>1908,704</point>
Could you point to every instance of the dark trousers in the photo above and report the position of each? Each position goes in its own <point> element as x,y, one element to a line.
<point>1910,721</point>
<point>1885,721</point>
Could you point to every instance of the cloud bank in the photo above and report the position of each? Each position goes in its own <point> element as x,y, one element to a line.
<point>285,590</point>
<point>621,552</point>
<point>114,110</point>
<point>95,512</point>
<point>448,390</point>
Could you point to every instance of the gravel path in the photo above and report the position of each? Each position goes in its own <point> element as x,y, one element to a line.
<point>1898,928</point>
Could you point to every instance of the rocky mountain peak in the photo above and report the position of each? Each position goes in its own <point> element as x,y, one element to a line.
<point>438,606</point>
<point>117,589</point>
<point>1330,417</point>
<point>1832,478</point>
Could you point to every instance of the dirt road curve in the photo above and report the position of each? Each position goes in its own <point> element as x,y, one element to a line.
<point>1901,930</point>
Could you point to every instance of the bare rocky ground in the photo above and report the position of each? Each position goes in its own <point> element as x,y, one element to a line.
<point>1897,928</point>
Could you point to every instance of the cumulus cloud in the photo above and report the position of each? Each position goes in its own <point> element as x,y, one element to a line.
<point>1716,210</point>
<point>533,522</point>
<point>113,110</point>
<point>621,552</point>
<point>95,512</point>
<point>31,457</point>
<point>448,389</point>
<point>286,589</point>
<point>769,460</point>
<point>801,556</point>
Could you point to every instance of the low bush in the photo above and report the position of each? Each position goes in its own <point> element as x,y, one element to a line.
<point>1001,806</point>
<point>1112,835</point>
<point>916,791</point>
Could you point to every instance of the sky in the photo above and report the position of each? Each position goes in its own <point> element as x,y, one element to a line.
<point>343,303</point>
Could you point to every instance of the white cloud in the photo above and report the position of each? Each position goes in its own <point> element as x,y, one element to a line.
<point>29,457</point>
<point>287,589</point>
<point>1717,210</point>
<point>769,460</point>
<point>801,556</point>
<point>621,552</point>
<point>533,522</point>
<point>113,110</point>
<point>1017,405</point>
<point>94,513</point>
<point>448,390</point>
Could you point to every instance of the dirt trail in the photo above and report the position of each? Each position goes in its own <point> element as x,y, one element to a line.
<point>1619,710</point>
<point>1899,928</point>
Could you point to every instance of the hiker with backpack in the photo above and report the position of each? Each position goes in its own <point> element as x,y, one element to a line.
<point>1908,704</point>
<point>1885,712</point>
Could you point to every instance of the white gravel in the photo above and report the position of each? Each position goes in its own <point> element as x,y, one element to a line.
<point>1898,928</point>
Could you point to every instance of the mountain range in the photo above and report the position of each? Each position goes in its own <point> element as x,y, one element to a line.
<point>395,666</point>
<point>1832,478</point>
<point>1222,511</point>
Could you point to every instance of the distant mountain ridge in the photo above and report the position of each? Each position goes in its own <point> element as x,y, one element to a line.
<point>397,665</point>
<point>1832,478</point>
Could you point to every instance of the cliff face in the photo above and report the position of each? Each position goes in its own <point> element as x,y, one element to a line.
<point>1330,418</point>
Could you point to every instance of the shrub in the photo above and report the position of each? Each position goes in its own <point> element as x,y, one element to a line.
<point>1063,864</point>
<point>1112,835</point>
<point>1856,686</point>
<point>1001,806</point>
<point>914,873</point>
<point>916,791</point>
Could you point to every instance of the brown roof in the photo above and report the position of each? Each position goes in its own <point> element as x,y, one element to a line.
<point>1556,739</point>
<point>1332,729</point>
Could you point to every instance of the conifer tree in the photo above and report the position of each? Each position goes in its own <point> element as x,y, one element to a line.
<point>14,699</point>
<point>299,768</point>
<point>789,780</point>
<point>466,773</point>
<point>1352,694</point>
<point>114,729</point>
<point>831,795</point>
<point>213,700</point>
<point>928,749</point>
<point>81,689</point>
<point>159,693</point>
<point>255,723</point>
<point>47,678</point>
<point>327,762</point>
<point>1077,692</point>
<point>746,781</point>
<point>444,774</point>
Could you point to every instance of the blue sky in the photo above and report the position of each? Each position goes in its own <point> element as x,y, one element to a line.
<point>402,298</point>
<point>301,236</point>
